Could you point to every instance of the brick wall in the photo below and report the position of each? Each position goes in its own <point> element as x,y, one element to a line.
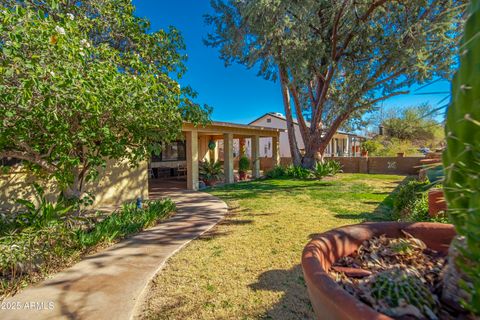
<point>394,165</point>
<point>385,165</point>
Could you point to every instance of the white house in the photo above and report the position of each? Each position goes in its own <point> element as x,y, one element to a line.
<point>342,143</point>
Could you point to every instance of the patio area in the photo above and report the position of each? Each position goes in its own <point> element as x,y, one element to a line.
<point>178,164</point>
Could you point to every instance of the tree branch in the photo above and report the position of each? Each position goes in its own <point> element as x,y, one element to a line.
<point>300,118</point>
<point>393,76</point>
<point>34,159</point>
<point>354,30</point>
<point>370,103</point>
<point>335,29</point>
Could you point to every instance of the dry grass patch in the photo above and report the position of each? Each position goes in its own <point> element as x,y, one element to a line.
<point>248,266</point>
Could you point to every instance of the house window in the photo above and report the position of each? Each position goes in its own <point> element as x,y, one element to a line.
<point>174,151</point>
<point>269,120</point>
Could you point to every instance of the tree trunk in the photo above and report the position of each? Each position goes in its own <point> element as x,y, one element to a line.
<point>294,151</point>
<point>74,191</point>
<point>310,157</point>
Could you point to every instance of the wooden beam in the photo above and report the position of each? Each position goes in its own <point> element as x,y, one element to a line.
<point>192,159</point>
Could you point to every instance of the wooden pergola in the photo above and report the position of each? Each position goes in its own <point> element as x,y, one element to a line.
<point>197,139</point>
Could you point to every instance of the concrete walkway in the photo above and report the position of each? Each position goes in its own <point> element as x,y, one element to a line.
<point>109,284</point>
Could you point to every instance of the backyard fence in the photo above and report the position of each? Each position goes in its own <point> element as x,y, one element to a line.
<point>384,165</point>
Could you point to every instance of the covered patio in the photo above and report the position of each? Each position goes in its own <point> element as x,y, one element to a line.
<point>202,143</point>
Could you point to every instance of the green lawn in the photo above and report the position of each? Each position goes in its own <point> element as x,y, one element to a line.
<point>248,266</point>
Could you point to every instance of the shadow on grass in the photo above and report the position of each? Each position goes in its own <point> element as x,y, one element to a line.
<point>294,303</point>
<point>383,212</point>
<point>259,188</point>
<point>230,222</point>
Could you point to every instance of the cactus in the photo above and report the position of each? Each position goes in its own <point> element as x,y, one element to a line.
<point>462,157</point>
<point>398,292</point>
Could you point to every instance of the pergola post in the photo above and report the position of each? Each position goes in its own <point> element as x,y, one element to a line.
<point>228,157</point>
<point>275,151</point>
<point>348,146</point>
<point>354,142</point>
<point>214,153</point>
<point>192,159</point>
<point>256,157</point>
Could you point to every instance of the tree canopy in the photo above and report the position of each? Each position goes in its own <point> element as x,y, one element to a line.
<point>337,59</point>
<point>82,82</point>
<point>415,123</point>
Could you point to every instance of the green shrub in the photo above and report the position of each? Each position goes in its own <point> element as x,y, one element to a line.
<point>372,146</point>
<point>297,172</point>
<point>276,172</point>
<point>321,170</point>
<point>210,170</point>
<point>411,201</point>
<point>46,236</point>
<point>389,147</point>
<point>32,251</point>
<point>327,168</point>
<point>128,220</point>
<point>243,164</point>
<point>46,213</point>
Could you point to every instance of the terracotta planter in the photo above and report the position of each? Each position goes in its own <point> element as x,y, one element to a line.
<point>329,300</point>
<point>210,183</point>
<point>401,154</point>
<point>436,202</point>
<point>364,153</point>
<point>242,175</point>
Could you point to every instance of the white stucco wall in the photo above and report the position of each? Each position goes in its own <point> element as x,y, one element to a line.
<point>343,145</point>
<point>266,143</point>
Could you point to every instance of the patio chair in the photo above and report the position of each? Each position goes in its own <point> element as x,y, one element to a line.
<point>151,175</point>
<point>181,170</point>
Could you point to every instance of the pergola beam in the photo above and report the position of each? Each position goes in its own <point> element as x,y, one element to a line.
<point>228,157</point>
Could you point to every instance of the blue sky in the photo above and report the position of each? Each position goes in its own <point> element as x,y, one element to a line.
<point>235,93</point>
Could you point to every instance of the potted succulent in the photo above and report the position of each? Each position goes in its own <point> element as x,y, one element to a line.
<point>243,166</point>
<point>210,172</point>
<point>460,275</point>
<point>332,301</point>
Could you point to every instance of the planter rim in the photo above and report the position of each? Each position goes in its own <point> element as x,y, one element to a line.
<point>329,299</point>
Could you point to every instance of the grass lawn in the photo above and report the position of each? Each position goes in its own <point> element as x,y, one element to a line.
<point>248,267</point>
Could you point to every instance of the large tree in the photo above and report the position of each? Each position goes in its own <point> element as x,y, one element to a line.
<point>337,59</point>
<point>415,123</point>
<point>82,82</point>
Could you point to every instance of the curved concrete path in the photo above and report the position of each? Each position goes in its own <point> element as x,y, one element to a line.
<point>109,284</point>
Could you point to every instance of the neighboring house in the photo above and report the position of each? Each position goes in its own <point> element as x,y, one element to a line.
<point>342,143</point>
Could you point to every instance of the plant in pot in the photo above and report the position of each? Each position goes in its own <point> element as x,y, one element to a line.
<point>210,172</point>
<point>371,146</point>
<point>456,293</point>
<point>243,166</point>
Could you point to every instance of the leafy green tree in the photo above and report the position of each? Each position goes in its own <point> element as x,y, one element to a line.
<point>82,82</point>
<point>337,59</point>
<point>416,124</point>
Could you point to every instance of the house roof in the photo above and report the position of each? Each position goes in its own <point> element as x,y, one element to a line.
<point>246,126</point>
<point>217,128</point>
<point>281,117</point>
